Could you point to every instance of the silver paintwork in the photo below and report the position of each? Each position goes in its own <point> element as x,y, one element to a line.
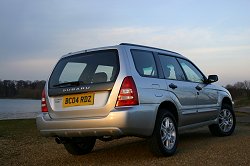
<point>120,121</point>
<point>194,108</point>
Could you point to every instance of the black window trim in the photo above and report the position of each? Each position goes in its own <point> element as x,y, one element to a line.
<point>158,66</point>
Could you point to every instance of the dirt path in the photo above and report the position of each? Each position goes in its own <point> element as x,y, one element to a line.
<point>21,144</point>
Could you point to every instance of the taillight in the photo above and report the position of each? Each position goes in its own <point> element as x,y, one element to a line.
<point>44,107</point>
<point>128,93</point>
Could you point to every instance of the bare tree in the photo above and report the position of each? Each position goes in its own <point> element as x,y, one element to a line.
<point>247,84</point>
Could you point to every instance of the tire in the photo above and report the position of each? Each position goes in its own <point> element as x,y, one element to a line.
<point>80,146</point>
<point>226,122</point>
<point>164,139</point>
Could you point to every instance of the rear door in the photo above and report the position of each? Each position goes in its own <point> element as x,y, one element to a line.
<point>146,74</point>
<point>80,85</point>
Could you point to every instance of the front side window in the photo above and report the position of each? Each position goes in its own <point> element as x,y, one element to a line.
<point>144,63</point>
<point>192,73</point>
<point>171,68</point>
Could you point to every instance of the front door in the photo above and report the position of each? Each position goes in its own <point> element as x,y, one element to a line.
<point>207,96</point>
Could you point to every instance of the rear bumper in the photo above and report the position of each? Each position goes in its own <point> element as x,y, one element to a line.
<point>134,121</point>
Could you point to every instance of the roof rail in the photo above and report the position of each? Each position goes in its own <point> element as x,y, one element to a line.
<point>130,44</point>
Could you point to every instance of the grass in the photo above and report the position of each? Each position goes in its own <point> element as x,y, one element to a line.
<point>22,144</point>
<point>242,102</point>
<point>18,129</point>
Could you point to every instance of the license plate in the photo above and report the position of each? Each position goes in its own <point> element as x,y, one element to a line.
<point>78,100</point>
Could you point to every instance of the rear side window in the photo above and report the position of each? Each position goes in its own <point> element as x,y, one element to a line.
<point>86,68</point>
<point>145,63</point>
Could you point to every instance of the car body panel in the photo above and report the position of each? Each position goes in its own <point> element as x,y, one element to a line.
<point>194,107</point>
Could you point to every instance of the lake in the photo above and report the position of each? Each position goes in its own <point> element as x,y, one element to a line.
<point>19,108</point>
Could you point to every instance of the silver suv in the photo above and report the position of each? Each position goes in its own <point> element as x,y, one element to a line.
<point>130,90</point>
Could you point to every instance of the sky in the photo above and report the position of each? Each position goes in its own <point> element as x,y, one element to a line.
<point>214,34</point>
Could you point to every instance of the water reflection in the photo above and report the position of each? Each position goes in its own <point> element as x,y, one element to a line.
<point>19,108</point>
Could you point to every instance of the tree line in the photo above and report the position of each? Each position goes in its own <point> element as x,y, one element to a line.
<point>33,89</point>
<point>21,89</point>
<point>239,90</point>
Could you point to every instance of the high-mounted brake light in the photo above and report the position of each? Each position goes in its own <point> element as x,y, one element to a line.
<point>44,107</point>
<point>128,95</point>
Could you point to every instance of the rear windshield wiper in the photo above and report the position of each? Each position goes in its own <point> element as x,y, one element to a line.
<point>75,83</point>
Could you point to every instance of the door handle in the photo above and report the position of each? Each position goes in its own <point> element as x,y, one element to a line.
<point>172,86</point>
<point>198,88</point>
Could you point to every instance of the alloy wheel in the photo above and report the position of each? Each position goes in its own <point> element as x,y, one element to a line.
<point>225,120</point>
<point>168,133</point>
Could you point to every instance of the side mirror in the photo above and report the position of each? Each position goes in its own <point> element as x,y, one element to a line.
<point>212,78</point>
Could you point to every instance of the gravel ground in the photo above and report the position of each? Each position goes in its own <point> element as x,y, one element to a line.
<point>21,144</point>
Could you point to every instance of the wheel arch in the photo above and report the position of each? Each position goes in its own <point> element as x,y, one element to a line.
<point>227,100</point>
<point>171,107</point>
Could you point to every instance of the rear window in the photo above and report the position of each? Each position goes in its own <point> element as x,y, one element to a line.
<point>86,68</point>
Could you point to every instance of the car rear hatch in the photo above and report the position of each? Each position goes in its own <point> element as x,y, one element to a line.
<point>80,84</point>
